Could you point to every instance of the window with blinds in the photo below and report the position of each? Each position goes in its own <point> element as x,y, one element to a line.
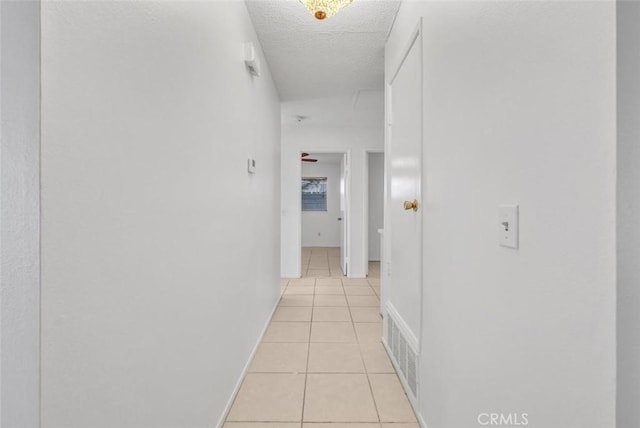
<point>314,194</point>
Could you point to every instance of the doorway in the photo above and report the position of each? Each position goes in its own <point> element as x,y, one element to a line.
<point>375,211</point>
<point>324,195</point>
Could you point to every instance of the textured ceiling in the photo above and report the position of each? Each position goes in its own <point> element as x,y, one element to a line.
<point>312,59</point>
<point>362,109</point>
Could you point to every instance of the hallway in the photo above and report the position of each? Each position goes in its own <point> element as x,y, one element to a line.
<point>170,235</point>
<point>321,360</point>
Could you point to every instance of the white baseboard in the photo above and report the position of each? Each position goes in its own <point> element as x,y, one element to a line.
<point>227,408</point>
<point>421,421</point>
<point>290,275</point>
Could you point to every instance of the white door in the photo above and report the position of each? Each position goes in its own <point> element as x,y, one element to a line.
<point>404,180</point>
<point>344,199</point>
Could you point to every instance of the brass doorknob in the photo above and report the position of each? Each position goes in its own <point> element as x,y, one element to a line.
<point>411,205</point>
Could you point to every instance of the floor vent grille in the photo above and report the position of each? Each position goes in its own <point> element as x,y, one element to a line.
<point>412,370</point>
<point>405,356</point>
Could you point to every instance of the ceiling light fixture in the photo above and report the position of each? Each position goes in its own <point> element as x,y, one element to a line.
<point>323,9</point>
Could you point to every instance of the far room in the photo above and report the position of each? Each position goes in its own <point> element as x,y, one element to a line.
<point>323,199</point>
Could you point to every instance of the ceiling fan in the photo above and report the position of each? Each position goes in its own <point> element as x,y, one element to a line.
<point>304,155</point>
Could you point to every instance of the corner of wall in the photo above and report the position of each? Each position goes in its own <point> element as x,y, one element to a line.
<point>20,214</point>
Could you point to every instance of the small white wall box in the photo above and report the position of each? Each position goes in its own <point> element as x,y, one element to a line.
<point>251,59</point>
<point>508,227</point>
<point>251,166</point>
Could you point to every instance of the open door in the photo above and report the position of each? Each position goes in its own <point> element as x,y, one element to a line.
<point>344,198</point>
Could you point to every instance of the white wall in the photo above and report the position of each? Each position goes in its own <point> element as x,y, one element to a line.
<point>19,213</point>
<point>519,108</point>
<point>375,196</point>
<point>322,228</point>
<point>628,394</point>
<point>150,221</point>
<point>365,132</point>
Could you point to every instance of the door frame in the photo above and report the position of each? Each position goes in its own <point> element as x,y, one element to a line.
<point>365,221</point>
<point>347,210</point>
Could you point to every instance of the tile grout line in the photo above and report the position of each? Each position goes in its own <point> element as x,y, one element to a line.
<point>375,404</point>
<point>289,283</point>
<point>306,369</point>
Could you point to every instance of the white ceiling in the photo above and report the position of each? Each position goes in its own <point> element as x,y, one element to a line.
<point>364,108</point>
<point>313,59</point>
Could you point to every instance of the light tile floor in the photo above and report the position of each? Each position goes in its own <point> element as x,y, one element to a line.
<point>321,363</point>
<point>321,262</point>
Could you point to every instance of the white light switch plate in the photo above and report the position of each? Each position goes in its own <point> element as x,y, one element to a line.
<point>508,226</point>
<point>251,166</point>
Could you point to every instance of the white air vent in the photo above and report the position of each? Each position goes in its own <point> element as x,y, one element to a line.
<point>412,371</point>
<point>390,327</point>
<point>402,347</point>
<point>398,344</point>
<point>401,354</point>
